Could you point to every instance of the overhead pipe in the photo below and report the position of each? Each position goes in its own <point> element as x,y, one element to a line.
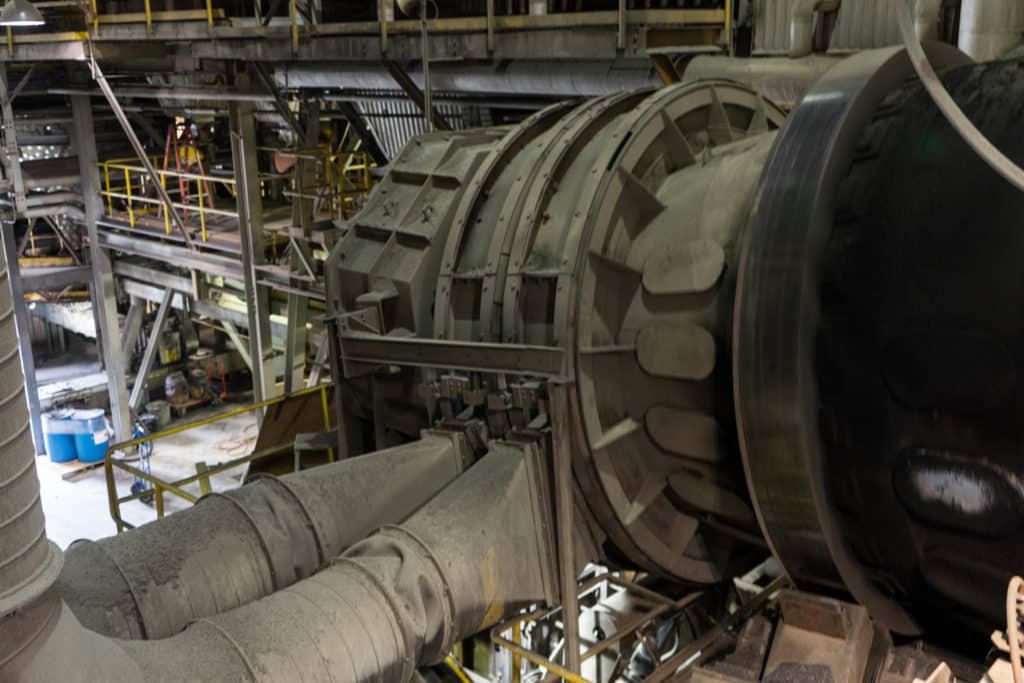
<point>236,547</point>
<point>520,77</point>
<point>397,600</point>
<point>779,79</point>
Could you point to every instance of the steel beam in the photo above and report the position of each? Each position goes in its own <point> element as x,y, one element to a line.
<point>301,256</point>
<point>214,264</point>
<point>140,151</point>
<point>132,327</point>
<point>374,349</point>
<point>24,331</point>
<point>250,219</point>
<point>152,345</point>
<point>240,345</point>
<point>363,132</point>
<point>53,279</point>
<point>280,104</point>
<point>416,95</point>
<point>154,276</point>
<point>207,309</point>
<point>11,151</point>
<point>103,300</point>
<point>565,525</point>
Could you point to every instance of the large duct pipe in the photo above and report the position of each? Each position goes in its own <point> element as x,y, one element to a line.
<point>399,599</point>
<point>236,547</point>
<point>990,28</point>
<point>779,79</point>
<point>28,561</point>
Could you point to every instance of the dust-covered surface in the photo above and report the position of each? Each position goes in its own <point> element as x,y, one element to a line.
<point>79,509</point>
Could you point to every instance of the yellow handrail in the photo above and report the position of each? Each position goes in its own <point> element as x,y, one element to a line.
<point>135,177</point>
<point>161,486</point>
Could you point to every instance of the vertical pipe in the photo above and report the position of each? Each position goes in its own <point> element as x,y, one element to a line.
<point>620,38</point>
<point>428,96</point>
<point>490,26</point>
<point>149,18</point>
<point>209,15</point>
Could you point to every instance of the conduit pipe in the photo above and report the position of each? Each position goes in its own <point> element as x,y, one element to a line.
<point>399,599</point>
<point>239,546</point>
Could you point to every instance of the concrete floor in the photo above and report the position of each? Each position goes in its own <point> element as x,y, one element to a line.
<point>79,508</point>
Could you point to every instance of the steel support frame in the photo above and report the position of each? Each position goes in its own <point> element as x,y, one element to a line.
<point>137,396</point>
<point>11,151</point>
<point>363,132</point>
<point>359,348</point>
<point>250,221</point>
<point>416,95</point>
<point>132,327</point>
<point>140,151</point>
<point>301,256</point>
<point>103,289</point>
<point>24,330</point>
<point>561,446</point>
<point>240,345</point>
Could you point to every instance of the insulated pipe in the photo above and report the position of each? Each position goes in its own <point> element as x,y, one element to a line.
<point>520,77</point>
<point>239,546</point>
<point>399,599</point>
<point>801,28</point>
<point>990,28</point>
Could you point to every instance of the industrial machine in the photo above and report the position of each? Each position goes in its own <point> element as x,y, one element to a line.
<point>659,330</point>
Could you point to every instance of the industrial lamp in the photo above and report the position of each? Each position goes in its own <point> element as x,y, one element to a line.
<point>20,13</point>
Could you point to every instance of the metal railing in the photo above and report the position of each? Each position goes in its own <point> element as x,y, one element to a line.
<point>177,487</point>
<point>127,181</point>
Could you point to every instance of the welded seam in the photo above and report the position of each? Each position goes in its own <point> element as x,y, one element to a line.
<point>43,625</point>
<point>249,668</point>
<point>259,535</point>
<point>17,516</point>
<point>321,543</point>
<point>29,465</point>
<point>352,611</point>
<point>447,640</point>
<point>398,620</point>
<point>21,552</point>
<point>131,588</point>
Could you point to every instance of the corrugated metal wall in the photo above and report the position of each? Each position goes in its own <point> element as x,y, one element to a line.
<point>395,121</point>
<point>861,25</point>
<point>865,24</point>
<point>771,26</point>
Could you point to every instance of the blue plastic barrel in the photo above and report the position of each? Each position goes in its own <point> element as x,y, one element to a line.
<point>58,432</point>
<point>91,435</point>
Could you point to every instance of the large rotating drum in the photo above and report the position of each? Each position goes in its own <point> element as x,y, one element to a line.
<point>869,374</point>
<point>610,230</point>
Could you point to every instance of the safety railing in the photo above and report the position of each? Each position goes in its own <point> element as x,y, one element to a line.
<point>158,487</point>
<point>127,181</point>
<point>343,178</point>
